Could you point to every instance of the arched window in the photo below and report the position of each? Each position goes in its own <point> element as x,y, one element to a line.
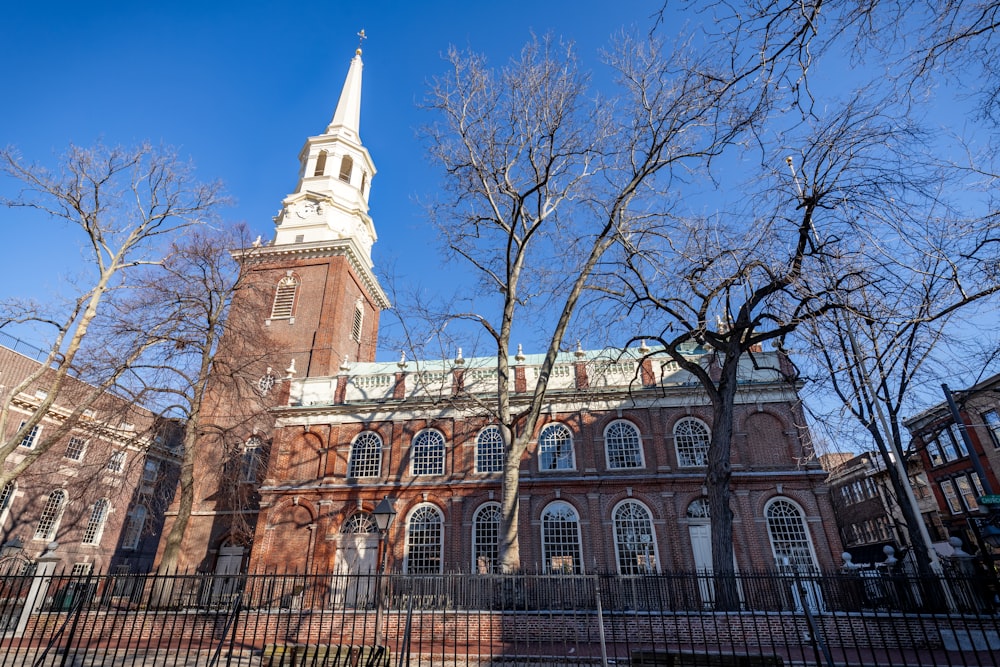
<point>284,298</point>
<point>635,541</point>
<point>320,164</point>
<point>364,182</point>
<point>561,539</point>
<point>698,509</point>
<point>790,541</point>
<point>252,460</point>
<point>346,166</point>
<point>424,540</point>
<point>95,526</point>
<point>134,527</point>
<point>691,438</point>
<point>489,450</point>
<point>359,523</point>
<point>555,448</point>
<point>622,445</point>
<point>48,521</point>
<point>365,459</point>
<point>486,539</point>
<point>427,453</point>
<point>6,498</point>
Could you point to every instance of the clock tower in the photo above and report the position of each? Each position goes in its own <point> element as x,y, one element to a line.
<point>327,299</point>
<point>312,295</point>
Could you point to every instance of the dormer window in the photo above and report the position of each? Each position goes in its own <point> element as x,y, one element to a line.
<point>320,164</point>
<point>346,166</point>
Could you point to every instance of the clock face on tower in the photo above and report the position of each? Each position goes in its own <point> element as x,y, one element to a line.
<point>308,209</point>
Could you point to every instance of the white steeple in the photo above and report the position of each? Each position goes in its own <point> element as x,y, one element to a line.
<point>330,202</point>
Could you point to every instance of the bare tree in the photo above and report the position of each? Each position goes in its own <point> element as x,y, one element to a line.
<point>789,254</point>
<point>873,353</point>
<point>125,203</point>
<point>215,389</point>
<point>541,181</point>
<point>915,45</point>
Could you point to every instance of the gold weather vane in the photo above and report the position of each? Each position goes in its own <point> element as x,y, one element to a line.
<point>361,38</point>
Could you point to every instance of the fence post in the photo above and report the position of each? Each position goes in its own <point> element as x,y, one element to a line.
<point>45,566</point>
<point>600,621</point>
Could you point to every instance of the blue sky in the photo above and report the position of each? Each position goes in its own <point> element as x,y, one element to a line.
<point>238,87</point>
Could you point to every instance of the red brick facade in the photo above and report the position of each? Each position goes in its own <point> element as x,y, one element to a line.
<point>308,496</point>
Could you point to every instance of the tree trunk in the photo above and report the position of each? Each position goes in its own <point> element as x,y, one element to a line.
<point>718,479</point>
<point>510,548</point>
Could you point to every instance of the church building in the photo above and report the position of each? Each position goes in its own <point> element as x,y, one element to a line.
<point>614,477</point>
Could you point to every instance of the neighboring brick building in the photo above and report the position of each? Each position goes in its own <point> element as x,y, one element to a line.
<point>953,477</point>
<point>100,492</point>
<point>614,478</point>
<point>868,516</point>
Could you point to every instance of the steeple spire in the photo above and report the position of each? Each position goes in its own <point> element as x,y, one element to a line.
<point>330,203</point>
<point>347,117</point>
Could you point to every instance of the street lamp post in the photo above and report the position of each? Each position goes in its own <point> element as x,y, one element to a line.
<point>383,514</point>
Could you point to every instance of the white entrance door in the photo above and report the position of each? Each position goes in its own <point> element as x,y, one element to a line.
<point>356,564</point>
<point>701,545</point>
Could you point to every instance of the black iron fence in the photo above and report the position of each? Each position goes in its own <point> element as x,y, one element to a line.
<point>769,618</point>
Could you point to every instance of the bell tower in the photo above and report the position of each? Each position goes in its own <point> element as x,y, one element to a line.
<point>327,299</point>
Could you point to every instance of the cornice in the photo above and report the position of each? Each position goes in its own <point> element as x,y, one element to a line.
<point>318,249</point>
<point>459,406</point>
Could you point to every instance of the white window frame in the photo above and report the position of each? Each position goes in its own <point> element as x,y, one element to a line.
<point>634,537</point>
<point>116,462</point>
<point>251,460</point>
<point>286,294</point>
<point>486,523</point>
<point>134,527</point>
<point>359,523</point>
<point>619,440</point>
<point>365,457</point>
<point>427,453</point>
<point>560,516</point>
<point>7,499</point>
<point>51,516</point>
<point>690,447</point>
<point>94,531</point>
<point>951,496</point>
<point>420,557</point>
<point>490,454</point>
<point>31,438</point>
<point>550,458</point>
<point>794,547</point>
<point>77,444</point>
<point>81,569</point>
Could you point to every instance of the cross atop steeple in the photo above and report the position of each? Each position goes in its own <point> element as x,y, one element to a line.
<point>361,38</point>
